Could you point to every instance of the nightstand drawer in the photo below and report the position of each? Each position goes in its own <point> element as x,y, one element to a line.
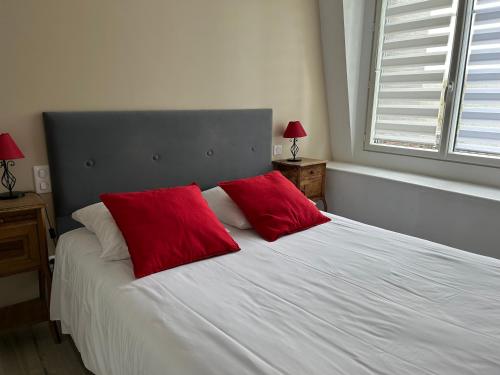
<point>16,217</point>
<point>312,171</point>
<point>19,249</point>
<point>312,187</point>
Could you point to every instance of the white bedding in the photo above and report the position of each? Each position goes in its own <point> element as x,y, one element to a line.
<point>340,298</point>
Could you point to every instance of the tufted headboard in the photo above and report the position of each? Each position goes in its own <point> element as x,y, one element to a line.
<point>95,152</point>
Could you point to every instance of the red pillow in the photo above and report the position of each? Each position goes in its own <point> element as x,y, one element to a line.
<point>273,205</point>
<point>166,228</point>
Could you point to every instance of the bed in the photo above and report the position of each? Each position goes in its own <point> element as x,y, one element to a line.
<point>339,298</point>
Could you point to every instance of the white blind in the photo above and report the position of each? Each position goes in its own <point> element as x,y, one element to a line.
<point>479,123</point>
<point>411,73</point>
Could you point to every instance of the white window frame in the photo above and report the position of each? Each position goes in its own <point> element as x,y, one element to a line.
<point>452,100</point>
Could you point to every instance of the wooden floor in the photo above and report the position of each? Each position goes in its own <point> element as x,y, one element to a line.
<point>31,351</point>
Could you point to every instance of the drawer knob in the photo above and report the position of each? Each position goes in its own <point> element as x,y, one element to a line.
<point>2,221</point>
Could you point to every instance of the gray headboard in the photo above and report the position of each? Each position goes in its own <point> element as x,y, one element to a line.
<point>95,152</point>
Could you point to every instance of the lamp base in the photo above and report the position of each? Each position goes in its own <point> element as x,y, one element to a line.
<point>11,195</point>
<point>296,159</point>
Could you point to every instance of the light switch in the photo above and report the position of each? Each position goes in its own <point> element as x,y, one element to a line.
<point>41,174</point>
<point>277,150</point>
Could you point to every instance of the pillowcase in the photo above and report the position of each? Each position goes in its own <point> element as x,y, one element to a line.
<point>273,205</point>
<point>97,219</point>
<point>226,210</point>
<point>167,228</point>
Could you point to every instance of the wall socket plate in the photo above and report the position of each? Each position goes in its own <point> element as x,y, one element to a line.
<point>41,175</point>
<point>277,150</point>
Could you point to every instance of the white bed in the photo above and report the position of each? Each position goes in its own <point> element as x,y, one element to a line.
<point>340,298</point>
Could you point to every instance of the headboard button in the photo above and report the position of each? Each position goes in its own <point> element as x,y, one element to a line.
<point>210,152</point>
<point>252,148</point>
<point>156,157</point>
<point>89,163</point>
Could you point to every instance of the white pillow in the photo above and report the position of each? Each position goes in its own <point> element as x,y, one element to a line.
<point>97,219</point>
<point>225,209</point>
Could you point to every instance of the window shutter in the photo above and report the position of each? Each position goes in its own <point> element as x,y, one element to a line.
<point>411,72</point>
<point>479,123</point>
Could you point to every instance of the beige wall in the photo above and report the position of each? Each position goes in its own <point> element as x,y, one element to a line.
<point>157,54</point>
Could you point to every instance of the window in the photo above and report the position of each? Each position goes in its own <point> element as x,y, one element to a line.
<point>479,114</point>
<point>436,83</point>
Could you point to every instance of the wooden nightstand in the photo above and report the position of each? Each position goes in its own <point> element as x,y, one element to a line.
<point>309,175</point>
<point>23,248</point>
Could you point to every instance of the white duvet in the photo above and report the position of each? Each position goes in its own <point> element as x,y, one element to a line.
<point>340,298</point>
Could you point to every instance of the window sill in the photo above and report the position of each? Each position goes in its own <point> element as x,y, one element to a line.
<point>457,187</point>
<point>452,157</point>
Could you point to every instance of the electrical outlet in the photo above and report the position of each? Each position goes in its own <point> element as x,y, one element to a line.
<point>277,150</point>
<point>41,174</point>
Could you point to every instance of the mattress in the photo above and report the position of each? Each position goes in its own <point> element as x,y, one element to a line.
<point>339,298</point>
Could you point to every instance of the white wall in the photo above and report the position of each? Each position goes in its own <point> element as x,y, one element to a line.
<point>348,121</point>
<point>457,220</point>
<point>334,62</point>
<point>461,221</point>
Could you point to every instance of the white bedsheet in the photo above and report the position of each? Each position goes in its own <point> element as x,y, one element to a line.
<point>340,298</point>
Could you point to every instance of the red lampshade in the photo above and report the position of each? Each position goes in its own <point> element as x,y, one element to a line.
<point>8,148</point>
<point>294,130</point>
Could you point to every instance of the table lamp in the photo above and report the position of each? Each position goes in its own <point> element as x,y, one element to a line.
<point>8,152</point>
<point>294,130</point>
